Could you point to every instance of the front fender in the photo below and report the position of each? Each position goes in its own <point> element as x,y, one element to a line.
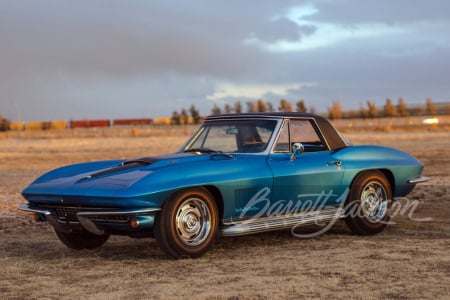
<point>234,178</point>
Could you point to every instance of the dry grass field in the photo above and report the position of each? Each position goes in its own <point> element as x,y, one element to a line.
<point>409,260</point>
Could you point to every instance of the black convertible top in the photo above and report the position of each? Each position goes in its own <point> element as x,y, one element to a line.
<point>333,137</point>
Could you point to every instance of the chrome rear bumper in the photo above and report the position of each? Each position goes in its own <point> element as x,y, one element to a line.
<point>418,180</point>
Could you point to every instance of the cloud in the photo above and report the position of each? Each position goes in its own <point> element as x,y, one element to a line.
<point>255,91</point>
<point>281,29</point>
<point>367,22</point>
<point>63,59</point>
<point>119,40</point>
<point>349,12</point>
<point>323,33</point>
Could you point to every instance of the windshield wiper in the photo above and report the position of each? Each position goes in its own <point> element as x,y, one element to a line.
<point>202,150</point>
<point>209,151</point>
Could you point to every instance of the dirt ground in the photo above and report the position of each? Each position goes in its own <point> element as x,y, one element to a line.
<point>409,260</point>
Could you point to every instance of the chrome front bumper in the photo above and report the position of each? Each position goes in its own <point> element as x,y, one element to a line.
<point>84,217</point>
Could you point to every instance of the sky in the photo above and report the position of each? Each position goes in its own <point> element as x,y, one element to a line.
<point>92,59</point>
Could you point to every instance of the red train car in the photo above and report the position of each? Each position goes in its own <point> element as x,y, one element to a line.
<point>132,122</point>
<point>89,123</point>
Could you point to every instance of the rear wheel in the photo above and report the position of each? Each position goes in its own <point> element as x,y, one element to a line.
<point>368,203</point>
<point>82,240</point>
<point>187,225</point>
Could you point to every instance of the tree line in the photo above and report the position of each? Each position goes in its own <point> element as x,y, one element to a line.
<point>183,117</point>
<point>388,110</point>
<point>335,111</point>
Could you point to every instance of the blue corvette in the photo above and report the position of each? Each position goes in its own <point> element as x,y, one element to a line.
<point>238,174</point>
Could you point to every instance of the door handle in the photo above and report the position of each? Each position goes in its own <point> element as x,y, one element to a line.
<point>336,162</point>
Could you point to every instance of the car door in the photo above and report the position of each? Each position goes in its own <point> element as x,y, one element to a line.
<point>311,180</point>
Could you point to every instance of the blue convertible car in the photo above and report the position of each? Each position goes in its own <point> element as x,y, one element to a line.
<point>238,174</point>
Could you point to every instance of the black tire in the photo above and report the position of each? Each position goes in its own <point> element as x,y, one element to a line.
<point>187,225</point>
<point>82,240</point>
<point>368,203</point>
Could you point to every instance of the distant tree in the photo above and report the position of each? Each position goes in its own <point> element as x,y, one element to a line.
<point>216,110</point>
<point>312,109</point>
<point>351,114</point>
<point>252,107</point>
<point>228,109</point>
<point>261,106</point>
<point>301,107</point>
<point>401,107</point>
<point>285,106</point>
<point>447,109</point>
<point>269,106</point>
<point>390,110</point>
<point>363,112</point>
<point>175,119</point>
<point>335,111</point>
<point>430,108</point>
<point>195,114</point>
<point>372,109</point>
<point>419,110</point>
<point>184,117</point>
<point>238,107</point>
<point>4,124</point>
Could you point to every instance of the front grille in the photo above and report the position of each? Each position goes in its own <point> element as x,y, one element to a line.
<point>114,219</point>
<point>69,214</point>
<point>66,213</point>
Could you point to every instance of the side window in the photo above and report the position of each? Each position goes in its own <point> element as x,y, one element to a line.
<point>299,131</point>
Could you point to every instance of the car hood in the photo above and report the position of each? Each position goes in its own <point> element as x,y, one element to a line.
<point>106,178</point>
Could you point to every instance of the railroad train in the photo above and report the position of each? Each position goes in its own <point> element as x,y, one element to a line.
<point>86,123</point>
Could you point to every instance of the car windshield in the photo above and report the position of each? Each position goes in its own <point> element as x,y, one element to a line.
<point>232,136</point>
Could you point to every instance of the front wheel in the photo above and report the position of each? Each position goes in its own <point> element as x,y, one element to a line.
<point>82,240</point>
<point>368,203</point>
<point>187,225</point>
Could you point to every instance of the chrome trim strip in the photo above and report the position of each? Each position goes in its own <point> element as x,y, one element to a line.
<point>251,226</point>
<point>48,215</point>
<point>125,212</point>
<point>418,180</point>
<point>34,210</point>
<point>279,128</point>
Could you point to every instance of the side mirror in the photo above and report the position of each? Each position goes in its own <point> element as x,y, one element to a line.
<point>297,148</point>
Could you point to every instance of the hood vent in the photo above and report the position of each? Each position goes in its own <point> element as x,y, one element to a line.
<point>122,167</point>
<point>134,163</point>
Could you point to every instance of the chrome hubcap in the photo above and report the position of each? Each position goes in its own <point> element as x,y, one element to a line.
<point>193,221</point>
<point>374,201</point>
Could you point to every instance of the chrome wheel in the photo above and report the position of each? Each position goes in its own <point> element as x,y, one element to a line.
<point>188,223</point>
<point>374,201</point>
<point>193,222</point>
<point>368,203</point>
